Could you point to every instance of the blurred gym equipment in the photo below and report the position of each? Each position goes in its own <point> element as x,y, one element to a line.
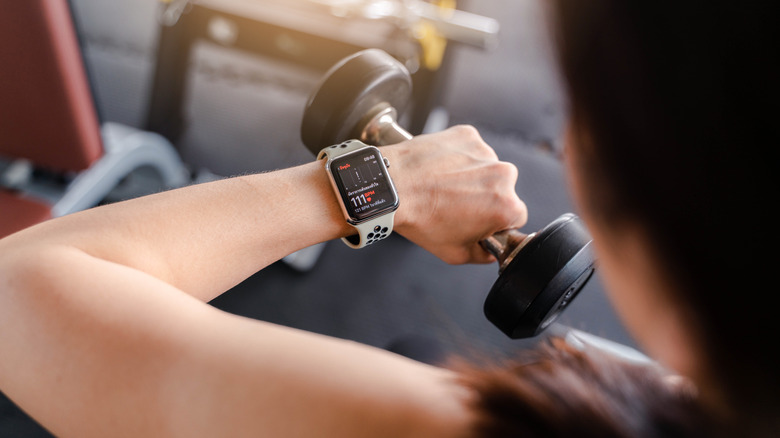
<point>55,157</point>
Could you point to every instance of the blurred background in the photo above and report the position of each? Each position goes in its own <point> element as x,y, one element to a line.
<point>226,83</point>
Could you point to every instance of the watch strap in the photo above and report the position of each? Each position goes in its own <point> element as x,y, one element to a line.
<point>371,231</point>
<point>340,149</point>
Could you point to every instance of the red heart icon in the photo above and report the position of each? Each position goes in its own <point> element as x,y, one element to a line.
<point>368,199</point>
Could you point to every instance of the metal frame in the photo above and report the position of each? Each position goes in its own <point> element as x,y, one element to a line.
<point>315,40</point>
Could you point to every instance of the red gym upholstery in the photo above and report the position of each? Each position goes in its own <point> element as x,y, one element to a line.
<point>47,114</point>
<point>20,213</point>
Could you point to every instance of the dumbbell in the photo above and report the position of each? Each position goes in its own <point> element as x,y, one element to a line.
<point>539,273</point>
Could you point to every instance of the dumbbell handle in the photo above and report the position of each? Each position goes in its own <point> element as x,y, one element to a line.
<point>382,129</point>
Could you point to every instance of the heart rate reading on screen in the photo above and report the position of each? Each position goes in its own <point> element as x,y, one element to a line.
<point>363,184</point>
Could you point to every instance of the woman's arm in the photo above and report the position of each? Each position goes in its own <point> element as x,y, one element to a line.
<point>93,348</point>
<point>207,238</point>
<point>98,338</point>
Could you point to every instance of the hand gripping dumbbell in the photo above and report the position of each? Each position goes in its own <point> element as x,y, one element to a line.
<point>539,273</point>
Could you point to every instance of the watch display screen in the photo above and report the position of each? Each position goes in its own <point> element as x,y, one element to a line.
<point>365,186</point>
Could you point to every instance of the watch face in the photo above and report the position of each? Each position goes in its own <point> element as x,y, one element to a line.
<point>365,186</point>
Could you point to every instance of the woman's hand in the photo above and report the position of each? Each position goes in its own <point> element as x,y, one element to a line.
<point>454,192</point>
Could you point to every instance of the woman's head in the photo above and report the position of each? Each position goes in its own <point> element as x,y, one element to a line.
<point>671,107</point>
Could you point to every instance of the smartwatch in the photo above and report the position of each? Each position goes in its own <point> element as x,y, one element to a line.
<point>368,199</point>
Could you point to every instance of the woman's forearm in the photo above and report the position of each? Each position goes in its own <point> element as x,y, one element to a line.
<point>206,238</point>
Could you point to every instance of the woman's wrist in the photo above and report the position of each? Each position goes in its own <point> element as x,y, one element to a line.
<point>403,179</point>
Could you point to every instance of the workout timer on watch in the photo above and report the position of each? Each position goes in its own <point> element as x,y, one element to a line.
<point>364,184</point>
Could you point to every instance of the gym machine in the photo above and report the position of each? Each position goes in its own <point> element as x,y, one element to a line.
<point>312,35</point>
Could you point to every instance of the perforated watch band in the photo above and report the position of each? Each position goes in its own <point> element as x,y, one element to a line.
<point>371,230</point>
<point>340,149</point>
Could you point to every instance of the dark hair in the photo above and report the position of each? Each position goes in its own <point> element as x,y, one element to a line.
<point>674,111</point>
<point>560,391</point>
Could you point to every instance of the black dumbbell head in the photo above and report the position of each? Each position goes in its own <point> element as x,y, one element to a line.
<point>542,279</point>
<point>348,93</point>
